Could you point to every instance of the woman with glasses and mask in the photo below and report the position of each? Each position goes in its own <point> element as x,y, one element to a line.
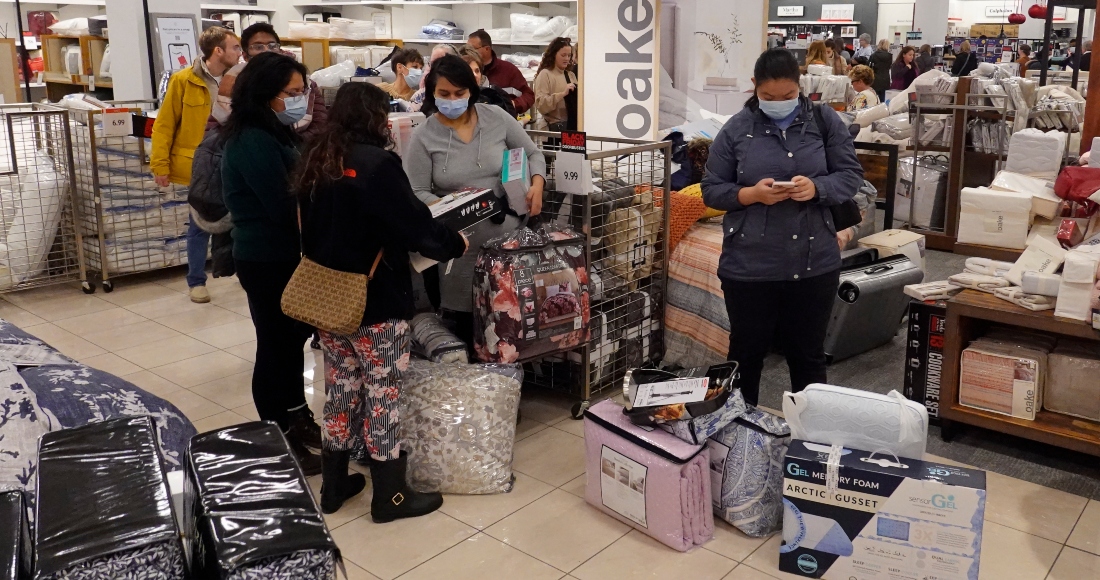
<point>462,144</point>
<point>259,154</point>
<point>777,168</point>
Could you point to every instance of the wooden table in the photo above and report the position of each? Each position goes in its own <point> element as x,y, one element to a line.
<point>969,314</point>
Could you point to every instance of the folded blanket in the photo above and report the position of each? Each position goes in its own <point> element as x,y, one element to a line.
<point>1017,296</point>
<point>979,281</point>
<point>987,267</point>
<point>696,324</point>
<point>941,290</point>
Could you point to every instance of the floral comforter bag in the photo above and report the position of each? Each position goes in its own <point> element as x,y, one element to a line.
<point>530,294</point>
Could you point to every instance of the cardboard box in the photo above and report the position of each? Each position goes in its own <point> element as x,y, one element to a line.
<point>994,218</point>
<point>460,210</point>
<point>884,519</point>
<point>893,242</point>
<point>516,179</point>
<point>924,356</point>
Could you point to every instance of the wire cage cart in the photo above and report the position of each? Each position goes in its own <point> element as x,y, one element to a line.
<point>130,224</point>
<point>40,243</point>
<point>625,219</point>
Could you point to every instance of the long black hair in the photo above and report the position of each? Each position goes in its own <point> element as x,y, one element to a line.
<point>360,114</point>
<point>457,72</point>
<point>262,80</point>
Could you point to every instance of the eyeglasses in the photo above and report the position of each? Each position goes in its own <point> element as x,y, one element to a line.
<point>304,92</point>
<point>261,47</point>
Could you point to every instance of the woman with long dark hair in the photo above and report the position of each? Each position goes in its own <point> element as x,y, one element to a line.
<point>776,168</point>
<point>270,96</point>
<point>904,70</point>
<point>554,83</point>
<point>359,214</point>
<point>462,144</point>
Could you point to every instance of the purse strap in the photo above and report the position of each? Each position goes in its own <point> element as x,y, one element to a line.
<point>374,267</point>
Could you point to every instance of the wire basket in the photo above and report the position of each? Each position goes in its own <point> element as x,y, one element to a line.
<point>40,243</point>
<point>130,224</point>
<point>625,220</point>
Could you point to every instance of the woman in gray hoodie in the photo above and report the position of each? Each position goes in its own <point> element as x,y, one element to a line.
<point>462,144</point>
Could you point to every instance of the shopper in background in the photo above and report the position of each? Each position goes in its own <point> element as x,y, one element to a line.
<point>780,260</point>
<point>489,94</point>
<point>865,49</point>
<point>260,152</point>
<point>833,58</point>
<point>925,62</point>
<point>965,61</point>
<point>554,83</point>
<point>260,38</point>
<point>862,78</point>
<point>408,67</point>
<point>502,73</point>
<point>357,207</point>
<point>815,53</point>
<point>880,62</point>
<point>1023,57</point>
<point>1084,62</point>
<point>904,70</point>
<point>462,144</point>
<point>179,129</point>
<point>417,100</point>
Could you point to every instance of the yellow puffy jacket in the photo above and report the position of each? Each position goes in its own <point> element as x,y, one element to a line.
<point>180,124</point>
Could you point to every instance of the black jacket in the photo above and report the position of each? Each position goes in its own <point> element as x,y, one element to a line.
<point>964,63</point>
<point>925,63</point>
<point>345,222</point>
<point>881,60</point>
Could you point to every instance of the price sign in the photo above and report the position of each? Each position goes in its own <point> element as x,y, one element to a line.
<point>117,123</point>
<point>573,173</point>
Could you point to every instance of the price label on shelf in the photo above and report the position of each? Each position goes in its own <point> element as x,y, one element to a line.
<point>117,123</point>
<point>573,173</point>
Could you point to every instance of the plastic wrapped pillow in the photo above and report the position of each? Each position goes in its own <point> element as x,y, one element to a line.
<point>573,33</point>
<point>458,426</point>
<point>866,117</point>
<point>299,29</point>
<point>552,29</point>
<point>499,35</point>
<point>432,340</point>
<point>71,27</point>
<point>349,29</point>
<point>525,25</point>
<point>332,76</point>
<point>896,126</point>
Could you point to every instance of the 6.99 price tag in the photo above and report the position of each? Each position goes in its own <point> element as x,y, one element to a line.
<point>573,173</point>
<point>117,123</point>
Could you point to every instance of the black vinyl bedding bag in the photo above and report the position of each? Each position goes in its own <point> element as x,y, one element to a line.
<point>15,536</point>
<point>249,513</point>
<point>104,509</point>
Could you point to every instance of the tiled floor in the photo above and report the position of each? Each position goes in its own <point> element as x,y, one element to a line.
<point>199,358</point>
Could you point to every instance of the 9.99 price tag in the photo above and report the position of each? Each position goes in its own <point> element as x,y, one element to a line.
<point>117,123</point>
<point>573,173</point>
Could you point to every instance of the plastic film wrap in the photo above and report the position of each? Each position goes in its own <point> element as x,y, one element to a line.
<point>433,341</point>
<point>15,536</point>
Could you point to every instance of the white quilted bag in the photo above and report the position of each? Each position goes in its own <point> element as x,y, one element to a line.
<point>858,420</point>
<point>1036,153</point>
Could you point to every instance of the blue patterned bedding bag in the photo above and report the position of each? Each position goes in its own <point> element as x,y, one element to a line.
<point>746,470</point>
<point>697,430</point>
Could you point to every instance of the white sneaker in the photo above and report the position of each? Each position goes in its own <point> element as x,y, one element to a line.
<point>199,295</point>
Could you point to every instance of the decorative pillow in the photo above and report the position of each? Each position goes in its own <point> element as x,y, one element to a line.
<point>696,190</point>
<point>684,212</point>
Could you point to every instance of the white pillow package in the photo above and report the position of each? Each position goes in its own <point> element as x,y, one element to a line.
<point>833,415</point>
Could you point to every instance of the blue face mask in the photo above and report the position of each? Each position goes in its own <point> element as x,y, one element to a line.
<point>452,109</point>
<point>295,109</point>
<point>412,78</point>
<point>778,109</point>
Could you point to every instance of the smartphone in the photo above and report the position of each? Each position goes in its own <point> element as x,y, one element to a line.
<point>783,184</point>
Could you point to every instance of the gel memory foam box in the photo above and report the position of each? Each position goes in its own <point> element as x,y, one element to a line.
<point>881,518</point>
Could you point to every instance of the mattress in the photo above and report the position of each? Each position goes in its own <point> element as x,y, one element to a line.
<point>650,480</point>
<point>872,422</point>
<point>696,323</point>
<point>746,470</point>
<point>458,426</point>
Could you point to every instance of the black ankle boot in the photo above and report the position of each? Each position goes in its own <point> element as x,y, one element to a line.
<point>393,498</point>
<point>310,463</point>
<point>304,428</point>
<point>337,486</point>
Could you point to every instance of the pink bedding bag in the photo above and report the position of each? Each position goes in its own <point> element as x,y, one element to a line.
<point>648,479</point>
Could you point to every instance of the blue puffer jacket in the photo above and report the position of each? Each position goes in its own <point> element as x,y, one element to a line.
<point>789,240</point>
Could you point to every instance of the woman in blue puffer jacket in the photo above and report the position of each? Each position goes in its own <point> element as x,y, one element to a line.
<point>777,167</point>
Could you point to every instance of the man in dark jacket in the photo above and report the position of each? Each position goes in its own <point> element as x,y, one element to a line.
<point>502,73</point>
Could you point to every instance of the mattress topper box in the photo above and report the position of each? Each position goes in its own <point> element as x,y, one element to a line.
<point>460,210</point>
<point>892,242</point>
<point>878,517</point>
<point>994,218</point>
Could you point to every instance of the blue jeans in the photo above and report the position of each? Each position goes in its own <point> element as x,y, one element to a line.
<point>197,243</point>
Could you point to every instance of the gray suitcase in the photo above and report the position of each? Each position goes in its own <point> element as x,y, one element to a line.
<point>869,305</point>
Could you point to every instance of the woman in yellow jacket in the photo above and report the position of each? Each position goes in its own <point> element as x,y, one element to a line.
<point>179,129</point>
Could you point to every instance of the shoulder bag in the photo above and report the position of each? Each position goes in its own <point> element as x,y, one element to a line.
<point>846,214</point>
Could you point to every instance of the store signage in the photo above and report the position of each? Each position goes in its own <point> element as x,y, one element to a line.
<point>620,68</point>
<point>790,10</point>
<point>572,169</point>
<point>117,122</point>
<point>998,11</point>
<point>844,12</point>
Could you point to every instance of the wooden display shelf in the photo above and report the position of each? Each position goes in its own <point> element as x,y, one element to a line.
<point>969,313</point>
<point>315,51</point>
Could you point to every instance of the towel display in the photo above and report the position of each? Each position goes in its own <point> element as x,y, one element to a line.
<point>647,479</point>
<point>696,323</point>
<point>103,507</point>
<point>979,282</point>
<point>1042,256</point>
<point>433,341</point>
<point>249,513</point>
<point>940,290</point>
<point>1017,296</point>
<point>1043,284</point>
<point>458,424</point>
<point>746,470</point>
<point>987,267</point>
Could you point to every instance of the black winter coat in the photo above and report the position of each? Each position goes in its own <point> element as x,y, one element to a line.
<point>880,62</point>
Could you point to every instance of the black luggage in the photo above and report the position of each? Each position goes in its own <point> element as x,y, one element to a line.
<point>869,305</point>
<point>15,536</point>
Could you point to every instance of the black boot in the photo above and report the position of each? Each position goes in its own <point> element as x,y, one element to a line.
<point>304,428</point>
<point>393,498</point>
<point>310,463</point>
<point>337,486</point>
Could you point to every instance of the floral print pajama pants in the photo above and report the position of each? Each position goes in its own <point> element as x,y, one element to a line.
<point>362,382</point>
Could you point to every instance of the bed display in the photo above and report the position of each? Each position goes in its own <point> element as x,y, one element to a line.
<point>696,324</point>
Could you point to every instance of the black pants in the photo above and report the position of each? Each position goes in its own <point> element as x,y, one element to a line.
<point>432,287</point>
<point>277,377</point>
<point>881,95</point>
<point>795,312</point>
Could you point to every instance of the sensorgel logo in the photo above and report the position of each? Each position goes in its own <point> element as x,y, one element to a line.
<point>807,563</point>
<point>938,501</point>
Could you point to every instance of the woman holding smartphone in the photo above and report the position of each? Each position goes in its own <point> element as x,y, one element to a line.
<point>776,168</point>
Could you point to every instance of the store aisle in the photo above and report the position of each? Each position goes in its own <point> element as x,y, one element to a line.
<point>199,358</point>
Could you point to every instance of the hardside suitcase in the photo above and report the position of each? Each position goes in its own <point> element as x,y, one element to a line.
<point>869,305</point>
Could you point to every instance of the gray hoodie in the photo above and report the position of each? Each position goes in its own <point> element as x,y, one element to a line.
<point>438,162</point>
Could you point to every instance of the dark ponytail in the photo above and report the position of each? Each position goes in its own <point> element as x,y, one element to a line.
<point>775,64</point>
